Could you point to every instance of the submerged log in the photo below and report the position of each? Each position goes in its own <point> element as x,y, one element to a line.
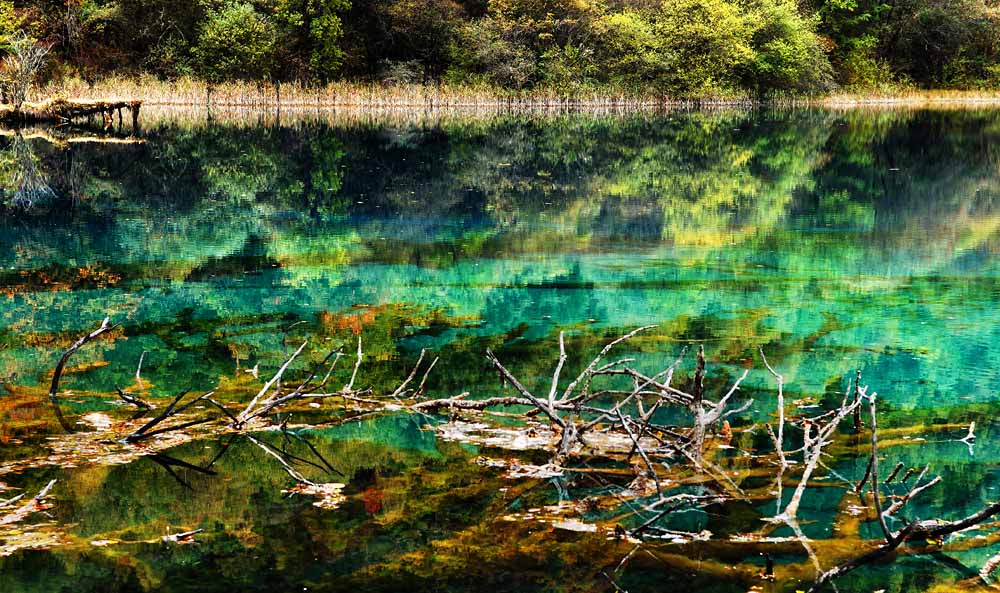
<point>60,110</point>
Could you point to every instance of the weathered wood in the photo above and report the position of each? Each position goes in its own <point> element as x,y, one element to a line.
<point>57,373</point>
<point>26,509</point>
<point>65,110</point>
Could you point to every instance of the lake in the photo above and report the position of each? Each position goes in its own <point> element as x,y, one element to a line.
<point>833,240</point>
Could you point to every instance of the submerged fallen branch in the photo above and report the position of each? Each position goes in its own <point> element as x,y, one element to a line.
<point>80,343</point>
<point>22,512</point>
<point>652,431</point>
<point>133,399</point>
<point>184,537</point>
<point>150,429</point>
<point>61,366</point>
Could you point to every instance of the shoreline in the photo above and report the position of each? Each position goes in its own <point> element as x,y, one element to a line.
<point>190,93</point>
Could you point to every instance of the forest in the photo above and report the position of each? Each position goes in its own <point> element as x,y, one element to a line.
<point>677,48</point>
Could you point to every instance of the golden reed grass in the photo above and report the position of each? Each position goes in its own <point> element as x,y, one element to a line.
<point>192,92</point>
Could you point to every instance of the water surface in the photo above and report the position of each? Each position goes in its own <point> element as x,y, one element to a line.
<point>833,240</point>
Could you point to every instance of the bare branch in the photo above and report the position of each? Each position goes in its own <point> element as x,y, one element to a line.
<point>23,511</point>
<point>604,351</point>
<point>57,374</point>
<point>354,374</point>
<point>550,412</point>
<point>402,386</point>
<point>559,366</point>
<point>780,437</point>
<point>248,412</point>
<point>876,496</point>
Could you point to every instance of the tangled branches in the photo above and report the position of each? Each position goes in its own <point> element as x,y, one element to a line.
<point>664,429</point>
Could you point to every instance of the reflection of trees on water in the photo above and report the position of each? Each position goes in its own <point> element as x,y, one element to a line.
<point>22,176</point>
<point>681,218</point>
<point>530,183</point>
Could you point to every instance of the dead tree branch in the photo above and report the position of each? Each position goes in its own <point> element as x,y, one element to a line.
<point>147,430</point>
<point>26,509</point>
<point>61,365</point>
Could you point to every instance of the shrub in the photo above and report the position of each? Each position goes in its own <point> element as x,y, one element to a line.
<point>708,42</point>
<point>630,51</point>
<point>495,50</point>
<point>787,52</point>
<point>235,43</point>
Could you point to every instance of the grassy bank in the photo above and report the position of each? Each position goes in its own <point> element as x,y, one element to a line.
<point>193,92</point>
<point>196,93</point>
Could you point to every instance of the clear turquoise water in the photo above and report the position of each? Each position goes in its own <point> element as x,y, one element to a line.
<point>834,240</point>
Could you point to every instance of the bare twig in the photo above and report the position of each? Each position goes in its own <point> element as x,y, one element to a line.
<point>876,496</point>
<point>895,470</point>
<point>23,511</point>
<point>604,351</point>
<point>559,366</point>
<point>550,412</point>
<point>354,374</point>
<point>862,560</point>
<point>402,386</point>
<point>249,410</point>
<point>146,430</point>
<point>720,408</point>
<point>642,452</point>
<point>57,373</point>
<point>780,437</point>
<point>813,449</point>
<point>138,369</point>
<point>294,473</point>
<point>420,387</point>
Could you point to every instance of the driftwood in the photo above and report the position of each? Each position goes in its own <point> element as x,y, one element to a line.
<point>133,399</point>
<point>913,531</point>
<point>150,429</point>
<point>26,509</point>
<point>61,365</point>
<point>61,111</point>
<point>185,537</point>
<point>271,396</point>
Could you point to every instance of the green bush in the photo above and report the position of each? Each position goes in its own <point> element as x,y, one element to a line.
<point>861,69</point>
<point>570,68</point>
<point>683,48</point>
<point>494,51</point>
<point>631,52</point>
<point>708,44</point>
<point>236,42</point>
<point>312,33</point>
<point>787,52</point>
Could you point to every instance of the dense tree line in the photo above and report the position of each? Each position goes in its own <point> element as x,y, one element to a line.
<point>679,47</point>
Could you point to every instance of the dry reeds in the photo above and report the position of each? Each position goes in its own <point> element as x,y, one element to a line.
<point>193,92</point>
